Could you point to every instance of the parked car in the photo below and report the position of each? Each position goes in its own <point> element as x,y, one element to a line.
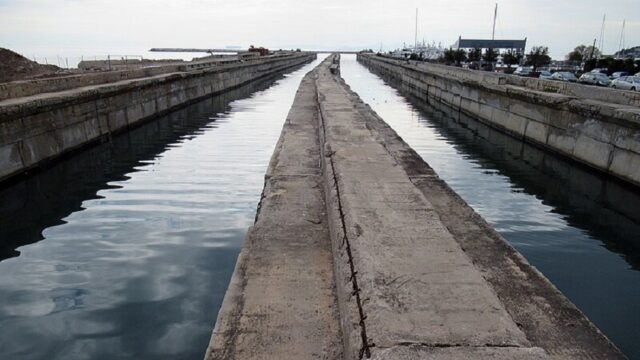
<point>564,76</point>
<point>599,70</point>
<point>522,71</point>
<point>595,79</point>
<point>618,74</point>
<point>627,83</point>
<point>545,75</point>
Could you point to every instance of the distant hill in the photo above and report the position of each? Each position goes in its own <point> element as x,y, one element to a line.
<point>633,52</point>
<point>14,66</point>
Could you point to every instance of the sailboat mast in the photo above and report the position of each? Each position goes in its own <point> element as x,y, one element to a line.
<point>415,42</point>
<point>621,45</point>
<point>495,16</point>
<point>604,17</point>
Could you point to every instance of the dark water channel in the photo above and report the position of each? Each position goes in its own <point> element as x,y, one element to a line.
<point>125,250</point>
<point>579,228</point>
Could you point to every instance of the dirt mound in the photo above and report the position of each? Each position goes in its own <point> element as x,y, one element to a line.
<point>14,66</point>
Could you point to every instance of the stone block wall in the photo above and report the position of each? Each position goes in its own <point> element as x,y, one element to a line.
<point>603,135</point>
<point>36,130</point>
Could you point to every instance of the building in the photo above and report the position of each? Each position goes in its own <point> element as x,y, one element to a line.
<point>517,45</point>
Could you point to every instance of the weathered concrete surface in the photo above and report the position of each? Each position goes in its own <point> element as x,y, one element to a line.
<point>281,303</point>
<point>23,88</point>
<point>548,319</point>
<point>40,127</point>
<point>416,273</point>
<point>420,287</point>
<point>597,127</point>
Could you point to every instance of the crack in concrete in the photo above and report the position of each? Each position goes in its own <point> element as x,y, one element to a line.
<point>365,350</point>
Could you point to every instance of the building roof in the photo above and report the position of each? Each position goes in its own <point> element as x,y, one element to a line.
<point>490,44</point>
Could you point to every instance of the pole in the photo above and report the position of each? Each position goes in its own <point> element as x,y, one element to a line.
<point>495,16</point>
<point>604,17</point>
<point>621,45</point>
<point>593,49</point>
<point>415,42</point>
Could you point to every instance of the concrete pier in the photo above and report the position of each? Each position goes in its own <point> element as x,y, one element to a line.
<point>42,119</point>
<point>598,127</point>
<point>360,251</point>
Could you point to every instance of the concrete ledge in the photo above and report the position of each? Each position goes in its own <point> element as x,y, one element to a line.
<point>281,302</point>
<point>549,320</point>
<point>42,127</point>
<point>403,268</point>
<point>598,131</point>
<point>456,353</point>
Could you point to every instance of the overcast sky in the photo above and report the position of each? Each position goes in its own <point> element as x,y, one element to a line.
<point>97,27</point>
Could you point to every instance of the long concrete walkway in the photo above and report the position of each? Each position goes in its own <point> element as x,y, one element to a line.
<point>357,252</point>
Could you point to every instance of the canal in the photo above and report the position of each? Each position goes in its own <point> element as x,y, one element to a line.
<point>579,228</point>
<point>125,250</point>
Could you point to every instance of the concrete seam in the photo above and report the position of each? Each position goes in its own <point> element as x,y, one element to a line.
<point>365,350</point>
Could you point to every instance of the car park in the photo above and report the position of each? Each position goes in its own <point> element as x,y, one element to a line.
<point>522,71</point>
<point>618,74</point>
<point>594,79</point>
<point>627,83</point>
<point>545,75</point>
<point>564,76</point>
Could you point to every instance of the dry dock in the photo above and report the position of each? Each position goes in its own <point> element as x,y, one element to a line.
<point>359,250</point>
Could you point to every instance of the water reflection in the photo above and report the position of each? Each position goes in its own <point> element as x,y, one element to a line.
<point>580,228</point>
<point>605,208</point>
<point>125,250</point>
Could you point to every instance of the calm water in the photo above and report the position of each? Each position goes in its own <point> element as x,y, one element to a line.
<point>125,250</point>
<point>580,229</point>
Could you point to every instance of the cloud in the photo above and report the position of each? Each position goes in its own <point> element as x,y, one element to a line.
<point>116,25</point>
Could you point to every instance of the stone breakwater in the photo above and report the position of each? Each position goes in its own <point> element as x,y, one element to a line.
<point>360,251</point>
<point>43,126</point>
<point>598,127</point>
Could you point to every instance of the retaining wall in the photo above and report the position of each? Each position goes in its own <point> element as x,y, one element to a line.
<point>604,135</point>
<point>42,127</point>
<point>15,89</point>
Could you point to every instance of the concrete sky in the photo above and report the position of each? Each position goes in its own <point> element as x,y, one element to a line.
<point>98,27</point>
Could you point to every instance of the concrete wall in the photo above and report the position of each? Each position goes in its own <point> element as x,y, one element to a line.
<point>16,89</point>
<point>33,130</point>
<point>602,135</point>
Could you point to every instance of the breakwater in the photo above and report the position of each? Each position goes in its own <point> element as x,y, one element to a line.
<point>597,127</point>
<point>41,127</point>
<point>359,250</point>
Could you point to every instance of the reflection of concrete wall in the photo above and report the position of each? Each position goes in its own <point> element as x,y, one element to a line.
<point>34,130</point>
<point>605,136</point>
<point>602,206</point>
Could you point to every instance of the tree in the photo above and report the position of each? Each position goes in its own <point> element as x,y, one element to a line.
<point>475,54</point>
<point>511,57</point>
<point>449,56</point>
<point>583,53</point>
<point>575,56</point>
<point>459,56</point>
<point>538,56</point>
<point>490,55</point>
